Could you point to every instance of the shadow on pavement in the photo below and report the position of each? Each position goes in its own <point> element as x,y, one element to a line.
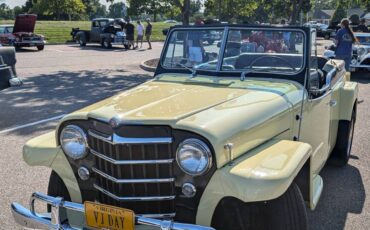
<point>343,193</point>
<point>50,95</point>
<point>97,47</point>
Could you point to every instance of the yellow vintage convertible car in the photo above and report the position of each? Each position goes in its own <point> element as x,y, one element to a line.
<point>228,135</point>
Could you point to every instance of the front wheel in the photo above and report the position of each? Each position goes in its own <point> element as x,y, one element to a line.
<point>40,47</point>
<point>343,146</point>
<point>288,212</point>
<point>106,43</point>
<point>126,46</point>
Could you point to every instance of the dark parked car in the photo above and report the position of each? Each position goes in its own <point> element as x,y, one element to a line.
<point>22,33</point>
<point>8,74</point>
<point>106,31</point>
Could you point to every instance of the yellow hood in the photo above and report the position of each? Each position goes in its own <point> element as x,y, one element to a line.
<point>223,110</point>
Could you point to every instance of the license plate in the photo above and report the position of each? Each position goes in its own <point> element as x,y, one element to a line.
<point>102,216</point>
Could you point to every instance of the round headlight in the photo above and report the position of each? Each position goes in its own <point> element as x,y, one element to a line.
<point>361,51</point>
<point>194,157</point>
<point>73,141</point>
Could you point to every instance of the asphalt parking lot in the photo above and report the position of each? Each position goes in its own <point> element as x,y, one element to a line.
<point>64,78</point>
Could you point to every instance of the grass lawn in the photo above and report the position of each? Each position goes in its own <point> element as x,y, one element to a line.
<point>59,31</point>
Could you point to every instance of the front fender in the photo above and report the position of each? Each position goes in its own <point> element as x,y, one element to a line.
<point>43,151</point>
<point>264,173</point>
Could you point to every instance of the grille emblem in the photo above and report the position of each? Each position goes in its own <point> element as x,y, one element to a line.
<point>114,122</point>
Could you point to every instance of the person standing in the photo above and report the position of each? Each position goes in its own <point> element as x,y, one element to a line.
<point>140,34</point>
<point>362,27</point>
<point>148,32</point>
<point>130,34</point>
<point>344,40</point>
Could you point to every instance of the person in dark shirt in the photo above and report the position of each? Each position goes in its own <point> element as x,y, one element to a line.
<point>130,33</point>
<point>362,27</point>
<point>148,32</point>
<point>344,40</point>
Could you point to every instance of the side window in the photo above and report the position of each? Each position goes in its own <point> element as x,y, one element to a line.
<point>95,24</point>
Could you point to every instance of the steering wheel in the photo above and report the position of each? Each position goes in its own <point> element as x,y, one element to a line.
<point>272,56</point>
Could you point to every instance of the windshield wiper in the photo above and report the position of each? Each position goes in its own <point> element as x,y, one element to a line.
<point>193,69</point>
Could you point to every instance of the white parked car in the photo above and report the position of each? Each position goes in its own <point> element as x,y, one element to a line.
<point>361,52</point>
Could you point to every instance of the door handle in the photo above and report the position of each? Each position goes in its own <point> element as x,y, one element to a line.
<point>332,103</point>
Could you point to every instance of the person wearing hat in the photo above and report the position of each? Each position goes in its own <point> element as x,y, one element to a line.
<point>148,32</point>
<point>362,27</point>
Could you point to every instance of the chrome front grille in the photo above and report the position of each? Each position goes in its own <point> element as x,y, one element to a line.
<point>134,173</point>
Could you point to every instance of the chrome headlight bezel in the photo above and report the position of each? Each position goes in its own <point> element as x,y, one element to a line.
<point>82,134</point>
<point>202,148</point>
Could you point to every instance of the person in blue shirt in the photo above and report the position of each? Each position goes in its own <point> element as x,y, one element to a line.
<point>344,40</point>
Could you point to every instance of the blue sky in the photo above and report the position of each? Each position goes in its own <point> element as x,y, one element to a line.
<point>13,3</point>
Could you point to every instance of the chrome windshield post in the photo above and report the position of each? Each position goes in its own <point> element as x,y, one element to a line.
<point>222,49</point>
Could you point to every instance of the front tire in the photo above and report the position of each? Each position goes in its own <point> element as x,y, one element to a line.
<point>288,212</point>
<point>106,43</point>
<point>40,47</point>
<point>57,188</point>
<point>343,146</point>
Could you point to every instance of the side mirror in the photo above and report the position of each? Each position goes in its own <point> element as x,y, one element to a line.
<point>165,31</point>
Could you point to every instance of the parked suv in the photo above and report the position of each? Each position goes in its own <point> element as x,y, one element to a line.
<point>213,141</point>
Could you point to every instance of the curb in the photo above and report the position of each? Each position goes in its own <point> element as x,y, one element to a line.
<point>146,67</point>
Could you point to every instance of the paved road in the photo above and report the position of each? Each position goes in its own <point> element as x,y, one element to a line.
<point>64,78</point>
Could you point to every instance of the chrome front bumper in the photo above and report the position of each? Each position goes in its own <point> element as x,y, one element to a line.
<point>29,218</point>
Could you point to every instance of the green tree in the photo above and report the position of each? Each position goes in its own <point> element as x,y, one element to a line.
<point>94,8</point>
<point>17,10</point>
<point>115,10</point>
<point>229,10</point>
<point>6,12</point>
<point>340,12</point>
<point>152,7</point>
<point>58,8</point>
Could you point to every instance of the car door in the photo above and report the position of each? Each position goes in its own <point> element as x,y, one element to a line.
<point>316,119</point>
<point>95,31</point>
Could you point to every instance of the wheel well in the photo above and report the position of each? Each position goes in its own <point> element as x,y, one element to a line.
<point>303,180</point>
<point>230,213</point>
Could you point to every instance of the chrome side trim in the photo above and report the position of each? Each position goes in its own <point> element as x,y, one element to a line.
<point>131,162</point>
<point>126,181</point>
<point>137,198</point>
<point>117,140</point>
<point>161,215</point>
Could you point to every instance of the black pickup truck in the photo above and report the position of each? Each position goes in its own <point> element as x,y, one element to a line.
<point>106,31</point>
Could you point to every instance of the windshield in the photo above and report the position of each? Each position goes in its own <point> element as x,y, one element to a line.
<point>363,40</point>
<point>195,48</point>
<point>261,50</point>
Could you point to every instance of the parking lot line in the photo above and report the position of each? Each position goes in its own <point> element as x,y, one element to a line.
<point>32,124</point>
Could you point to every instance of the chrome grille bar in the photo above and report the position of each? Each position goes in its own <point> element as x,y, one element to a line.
<point>131,162</point>
<point>115,139</point>
<point>127,181</point>
<point>137,198</point>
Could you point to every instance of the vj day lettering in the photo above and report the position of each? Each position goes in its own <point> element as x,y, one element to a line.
<point>113,221</point>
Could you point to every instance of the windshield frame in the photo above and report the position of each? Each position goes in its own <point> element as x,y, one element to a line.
<point>236,73</point>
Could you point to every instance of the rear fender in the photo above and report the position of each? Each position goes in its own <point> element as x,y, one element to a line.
<point>43,151</point>
<point>348,98</point>
<point>265,173</point>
